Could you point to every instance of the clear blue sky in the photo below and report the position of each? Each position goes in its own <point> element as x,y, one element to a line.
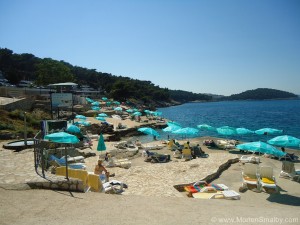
<point>213,46</point>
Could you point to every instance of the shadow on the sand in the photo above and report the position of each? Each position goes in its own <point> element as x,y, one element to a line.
<point>67,193</point>
<point>284,199</point>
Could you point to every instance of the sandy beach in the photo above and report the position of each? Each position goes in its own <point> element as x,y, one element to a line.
<point>150,197</point>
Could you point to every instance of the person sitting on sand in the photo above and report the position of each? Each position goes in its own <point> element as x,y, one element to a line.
<point>99,169</point>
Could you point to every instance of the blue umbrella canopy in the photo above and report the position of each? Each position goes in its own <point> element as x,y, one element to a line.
<point>96,108</point>
<point>206,127</point>
<point>101,145</point>
<point>137,113</point>
<point>82,117</point>
<point>96,103</point>
<point>186,131</point>
<point>101,118</point>
<point>171,128</point>
<point>62,137</point>
<point>73,129</point>
<point>104,99</point>
<point>266,131</point>
<point>103,114</point>
<point>149,130</point>
<point>242,130</point>
<point>129,110</point>
<point>170,123</point>
<point>226,130</point>
<point>118,109</point>
<point>285,141</point>
<point>83,123</point>
<point>261,147</point>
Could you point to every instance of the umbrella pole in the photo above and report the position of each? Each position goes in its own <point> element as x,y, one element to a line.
<point>67,174</point>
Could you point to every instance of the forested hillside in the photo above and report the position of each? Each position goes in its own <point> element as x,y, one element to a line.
<point>17,67</point>
<point>261,94</point>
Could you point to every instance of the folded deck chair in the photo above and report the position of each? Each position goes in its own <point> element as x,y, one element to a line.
<point>250,174</point>
<point>62,162</point>
<point>266,178</point>
<point>96,185</point>
<point>288,171</point>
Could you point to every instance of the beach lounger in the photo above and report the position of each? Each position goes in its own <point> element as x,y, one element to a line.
<point>288,171</point>
<point>266,178</point>
<point>62,162</point>
<point>249,159</point>
<point>250,175</point>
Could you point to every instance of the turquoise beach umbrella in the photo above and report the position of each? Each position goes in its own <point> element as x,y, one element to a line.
<point>244,131</point>
<point>103,115</point>
<point>82,117</point>
<point>186,131</point>
<point>149,130</point>
<point>101,145</point>
<point>285,141</point>
<point>96,103</point>
<point>266,131</point>
<point>129,110</point>
<point>261,147</point>
<point>73,129</point>
<point>101,118</point>
<point>96,108</point>
<point>104,99</point>
<point>226,130</point>
<point>206,127</point>
<point>62,137</point>
<point>137,113</point>
<point>118,109</point>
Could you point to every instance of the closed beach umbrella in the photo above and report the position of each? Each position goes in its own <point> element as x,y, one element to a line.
<point>242,131</point>
<point>206,127</point>
<point>62,137</point>
<point>103,115</point>
<point>285,141</point>
<point>261,147</point>
<point>101,145</point>
<point>149,130</point>
<point>266,131</point>
<point>226,130</point>
<point>73,129</point>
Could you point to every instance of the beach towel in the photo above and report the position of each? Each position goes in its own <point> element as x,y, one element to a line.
<point>267,180</point>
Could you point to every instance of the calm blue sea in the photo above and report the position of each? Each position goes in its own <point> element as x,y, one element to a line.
<point>254,115</point>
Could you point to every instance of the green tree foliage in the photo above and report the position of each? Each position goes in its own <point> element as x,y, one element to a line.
<point>185,96</point>
<point>49,71</point>
<point>261,94</point>
<point>46,71</point>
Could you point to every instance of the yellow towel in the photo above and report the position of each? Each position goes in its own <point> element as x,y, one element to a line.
<point>267,180</point>
<point>61,171</point>
<point>93,182</point>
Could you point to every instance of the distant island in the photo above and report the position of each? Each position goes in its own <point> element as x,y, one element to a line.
<point>15,68</point>
<point>261,94</point>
